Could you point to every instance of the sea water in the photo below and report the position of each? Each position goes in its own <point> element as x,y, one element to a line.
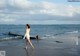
<point>54,37</point>
<point>70,32</point>
<point>43,31</point>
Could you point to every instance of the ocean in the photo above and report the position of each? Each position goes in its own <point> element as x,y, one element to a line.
<point>41,30</point>
<point>55,38</point>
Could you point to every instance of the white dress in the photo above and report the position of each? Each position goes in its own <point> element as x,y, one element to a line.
<point>27,35</point>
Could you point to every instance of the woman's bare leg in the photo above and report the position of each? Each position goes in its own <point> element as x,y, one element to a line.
<point>30,43</point>
<point>26,43</point>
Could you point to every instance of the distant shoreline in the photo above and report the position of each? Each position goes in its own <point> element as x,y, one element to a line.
<point>40,24</point>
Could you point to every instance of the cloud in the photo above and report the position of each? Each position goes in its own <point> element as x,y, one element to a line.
<point>28,11</point>
<point>7,20</point>
<point>2,3</point>
<point>21,4</point>
<point>42,7</point>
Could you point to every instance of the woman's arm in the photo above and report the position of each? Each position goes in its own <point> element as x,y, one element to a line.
<point>24,36</point>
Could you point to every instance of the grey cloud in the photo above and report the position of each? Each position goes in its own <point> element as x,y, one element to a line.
<point>22,15</point>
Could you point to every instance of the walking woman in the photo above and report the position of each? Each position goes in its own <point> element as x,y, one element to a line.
<point>27,36</point>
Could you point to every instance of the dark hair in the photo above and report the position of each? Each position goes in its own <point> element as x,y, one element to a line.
<point>28,25</point>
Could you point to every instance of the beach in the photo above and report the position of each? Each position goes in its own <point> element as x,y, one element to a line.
<point>45,47</point>
<point>51,27</point>
<point>55,40</point>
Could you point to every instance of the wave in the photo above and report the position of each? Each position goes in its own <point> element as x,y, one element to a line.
<point>70,32</point>
<point>47,36</point>
<point>10,38</point>
<point>43,37</point>
<point>73,32</point>
<point>18,37</point>
<point>54,35</point>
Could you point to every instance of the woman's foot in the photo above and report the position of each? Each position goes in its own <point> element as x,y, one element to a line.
<point>26,47</point>
<point>33,47</point>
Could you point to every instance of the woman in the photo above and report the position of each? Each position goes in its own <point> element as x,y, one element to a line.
<point>27,36</point>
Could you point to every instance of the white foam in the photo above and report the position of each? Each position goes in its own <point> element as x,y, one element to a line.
<point>73,32</point>
<point>9,38</point>
<point>48,37</point>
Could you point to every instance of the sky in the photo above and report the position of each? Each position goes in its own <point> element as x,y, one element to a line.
<point>39,12</point>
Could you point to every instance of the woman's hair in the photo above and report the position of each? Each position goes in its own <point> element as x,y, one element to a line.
<point>28,25</point>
